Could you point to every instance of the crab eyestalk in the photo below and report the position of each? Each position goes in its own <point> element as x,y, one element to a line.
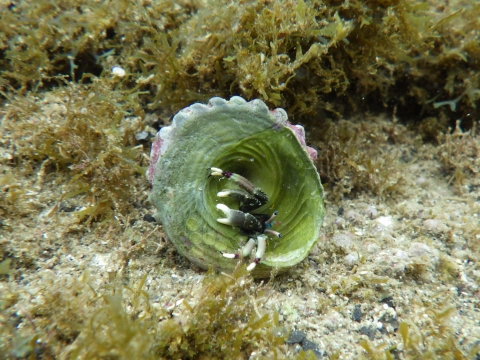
<point>269,223</point>
<point>273,232</point>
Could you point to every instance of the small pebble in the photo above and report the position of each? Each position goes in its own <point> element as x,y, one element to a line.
<point>66,208</point>
<point>118,71</point>
<point>357,313</point>
<point>351,259</point>
<point>390,320</point>
<point>419,249</point>
<point>143,136</point>
<point>386,221</point>
<point>343,241</point>
<point>371,212</point>
<point>421,181</point>
<point>369,331</point>
<point>309,345</point>
<point>400,254</point>
<point>371,247</point>
<point>352,216</point>
<point>319,354</point>
<point>389,301</point>
<point>432,225</point>
<point>295,337</point>
<point>149,218</point>
<point>340,222</point>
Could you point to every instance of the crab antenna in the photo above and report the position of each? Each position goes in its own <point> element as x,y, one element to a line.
<point>273,232</point>
<point>274,215</point>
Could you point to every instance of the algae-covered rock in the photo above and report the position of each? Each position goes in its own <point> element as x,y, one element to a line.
<point>247,139</point>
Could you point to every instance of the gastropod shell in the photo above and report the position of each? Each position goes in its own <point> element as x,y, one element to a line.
<point>234,180</point>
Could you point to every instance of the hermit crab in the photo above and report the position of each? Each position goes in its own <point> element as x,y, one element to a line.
<point>255,226</point>
<point>211,170</point>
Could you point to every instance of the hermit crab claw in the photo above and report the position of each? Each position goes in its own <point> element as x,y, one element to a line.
<point>233,217</point>
<point>240,219</point>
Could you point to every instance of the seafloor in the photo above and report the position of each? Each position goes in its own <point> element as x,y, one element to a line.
<point>394,275</point>
<point>379,264</point>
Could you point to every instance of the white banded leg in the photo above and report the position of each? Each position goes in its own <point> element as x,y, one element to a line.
<point>238,179</point>
<point>245,250</point>
<point>261,247</point>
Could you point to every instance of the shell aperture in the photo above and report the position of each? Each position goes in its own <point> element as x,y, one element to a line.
<point>260,145</point>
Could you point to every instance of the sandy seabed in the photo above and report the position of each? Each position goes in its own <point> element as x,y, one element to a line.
<point>382,264</point>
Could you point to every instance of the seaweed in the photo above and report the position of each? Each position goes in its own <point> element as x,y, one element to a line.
<point>355,156</point>
<point>458,153</point>
<point>120,321</point>
<point>310,57</point>
<point>225,323</point>
<point>12,197</point>
<point>69,124</point>
<point>432,341</point>
<point>435,340</point>
<point>85,133</point>
<point>320,60</point>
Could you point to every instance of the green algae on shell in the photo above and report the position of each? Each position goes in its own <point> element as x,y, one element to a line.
<point>248,139</point>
